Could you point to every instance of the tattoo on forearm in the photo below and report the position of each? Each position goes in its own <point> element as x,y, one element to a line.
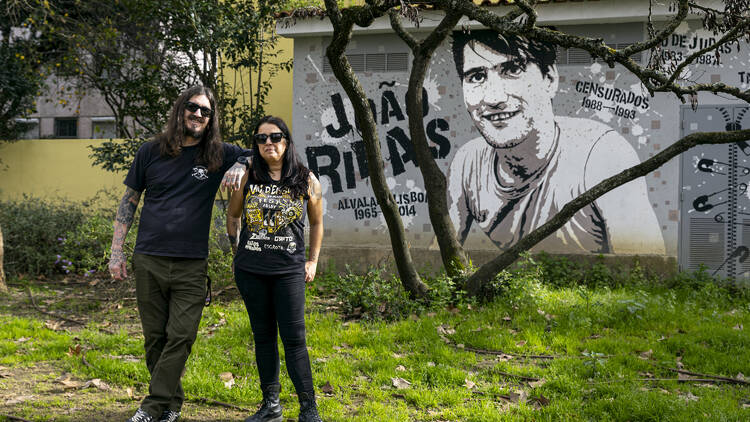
<point>314,256</point>
<point>128,205</point>
<point>233,226</point>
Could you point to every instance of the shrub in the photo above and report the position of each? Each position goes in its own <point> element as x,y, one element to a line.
<point>48,236</point>
<point>33,229</point>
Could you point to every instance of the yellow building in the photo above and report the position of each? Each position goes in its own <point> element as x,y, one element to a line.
<point>60,166</point>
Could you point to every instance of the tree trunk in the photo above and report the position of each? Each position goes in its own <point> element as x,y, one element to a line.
<point>3,286</point>
<point>487,272</point>
<point>342,32</point>
<point>452,253</point>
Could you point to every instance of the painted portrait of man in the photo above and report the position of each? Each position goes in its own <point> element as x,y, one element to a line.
<point>529,162</point>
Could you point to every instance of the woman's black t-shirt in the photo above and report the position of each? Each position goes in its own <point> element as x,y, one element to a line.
<point>272,240</point>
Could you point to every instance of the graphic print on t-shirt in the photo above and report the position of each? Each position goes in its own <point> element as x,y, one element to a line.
<point>269,211</point>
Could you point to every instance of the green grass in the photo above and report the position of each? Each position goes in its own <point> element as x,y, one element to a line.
<point>605,342</point>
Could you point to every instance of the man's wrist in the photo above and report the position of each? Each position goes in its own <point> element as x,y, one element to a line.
<point>242,159</point>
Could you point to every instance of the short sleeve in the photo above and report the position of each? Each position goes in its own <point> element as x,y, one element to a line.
<point>136,178</point>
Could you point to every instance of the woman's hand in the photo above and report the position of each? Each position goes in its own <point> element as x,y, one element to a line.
<point>310,268</point>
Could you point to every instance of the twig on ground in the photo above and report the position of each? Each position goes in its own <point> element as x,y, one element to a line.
<point>211,402</point>
<point>52,314</point>
<point>16,418</point>
<point>716,377</point>
<point>521,377</point>
<point>681,380</point>
<point>224,290</point>
<point>500,353</point>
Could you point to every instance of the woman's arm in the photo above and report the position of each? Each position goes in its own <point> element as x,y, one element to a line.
<point>234,212</point>
<point>315,218</point>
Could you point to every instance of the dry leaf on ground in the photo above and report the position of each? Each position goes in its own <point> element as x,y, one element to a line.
<point>227,378</point>
<point>400,383</point>
<point>327,388</point>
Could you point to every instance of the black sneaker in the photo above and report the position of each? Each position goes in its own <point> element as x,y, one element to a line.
<point>141,416</point>
<point>169,416</point>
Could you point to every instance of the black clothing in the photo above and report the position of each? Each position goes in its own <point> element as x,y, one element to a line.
<point>179,197</point>
<point>171,293</point>
<point>271,301</point>
<point>272,240</point>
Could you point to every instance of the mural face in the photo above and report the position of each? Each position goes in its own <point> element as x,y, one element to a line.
<point>518,128</point>
<point>503,96</point>
<point>530,162</point>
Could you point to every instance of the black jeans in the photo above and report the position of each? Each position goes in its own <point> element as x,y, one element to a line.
<point>273,301</point>
<point>171,294</point>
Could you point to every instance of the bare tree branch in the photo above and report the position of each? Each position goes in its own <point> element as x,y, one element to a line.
<point>488,271</point>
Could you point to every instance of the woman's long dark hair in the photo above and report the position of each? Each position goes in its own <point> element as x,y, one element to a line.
<point>294,175</point>
<point>210,153</point>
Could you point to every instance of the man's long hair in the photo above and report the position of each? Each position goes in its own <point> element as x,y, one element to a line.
<point>294,174</point>
<point>210,153</point>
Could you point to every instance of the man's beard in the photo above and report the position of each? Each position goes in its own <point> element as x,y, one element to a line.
<point>196,134</point>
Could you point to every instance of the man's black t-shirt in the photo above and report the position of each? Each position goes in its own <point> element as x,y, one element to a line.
<point>179,197</point>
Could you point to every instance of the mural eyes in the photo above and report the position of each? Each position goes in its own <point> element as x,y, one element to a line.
<point>476,76</point>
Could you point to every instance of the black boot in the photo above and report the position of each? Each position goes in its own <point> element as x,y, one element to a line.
<point>308,409</point>
<point>270,408</point>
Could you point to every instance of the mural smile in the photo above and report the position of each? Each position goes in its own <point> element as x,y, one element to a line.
<point>500,116</point>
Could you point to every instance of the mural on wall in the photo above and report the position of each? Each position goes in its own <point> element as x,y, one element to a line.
<point>528,162</point>
<point>518,129</point>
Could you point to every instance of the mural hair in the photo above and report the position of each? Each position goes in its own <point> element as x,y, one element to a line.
<point>294,174</point>
<point>520,48</point>
<point>211,151</point>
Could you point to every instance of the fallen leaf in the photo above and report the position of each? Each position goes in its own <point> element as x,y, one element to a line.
<point>476,330</point>
<point>541,401</point>
<point>22,340</point>
<point>327,388</point>
<point>521,343</point>
<point>504,358</point>
<point>431,364</point>
<point>431,314</point>
<point>646,374</point>
<point>469,384</point>
<point>460,345</point>
<point>127,358</point>
<point>131,394</point>
<point>227,378</point>
<point>93,283</point>
<point>400,383</point>
<point>96,382</point>
<point>738,327</point>
<point>18,399</point>
<point>518,397</point>
<point>646,355</point>
<point>507,318</point>
<point>445,329</point>
<point>740,376</point>
<point>535,384</point>
<point>53,325</point>
<point>401,368</point>
<point>321,360</point>
<point>397,355</point>
<point>681,376</point>
<point>689,397</point>
<point>74,350</point>
<point>706,385</point>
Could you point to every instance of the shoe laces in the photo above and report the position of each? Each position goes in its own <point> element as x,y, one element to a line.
<point>141,416</point>
<point>169,416</point>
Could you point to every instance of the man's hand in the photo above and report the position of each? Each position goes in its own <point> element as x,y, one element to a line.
<point>310,268</point>
<point>233,177</point>
<point>118,265</point>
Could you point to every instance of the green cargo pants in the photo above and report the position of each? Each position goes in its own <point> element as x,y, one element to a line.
<point>171,293</point>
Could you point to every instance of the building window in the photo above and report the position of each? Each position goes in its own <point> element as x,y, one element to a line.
<point>103,128</point>
<point>66,128</point>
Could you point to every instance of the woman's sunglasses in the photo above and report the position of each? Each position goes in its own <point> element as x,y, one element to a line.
<point>260,138</point>
<point>193,107</point>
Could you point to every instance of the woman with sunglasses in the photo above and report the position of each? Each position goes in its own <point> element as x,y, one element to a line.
<point>270,267</point>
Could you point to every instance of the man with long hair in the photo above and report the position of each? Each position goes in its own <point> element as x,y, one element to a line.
<point>180,171</point>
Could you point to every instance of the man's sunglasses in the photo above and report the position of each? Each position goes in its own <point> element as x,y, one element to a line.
<point>193,107</point>
<point>260,138</point>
